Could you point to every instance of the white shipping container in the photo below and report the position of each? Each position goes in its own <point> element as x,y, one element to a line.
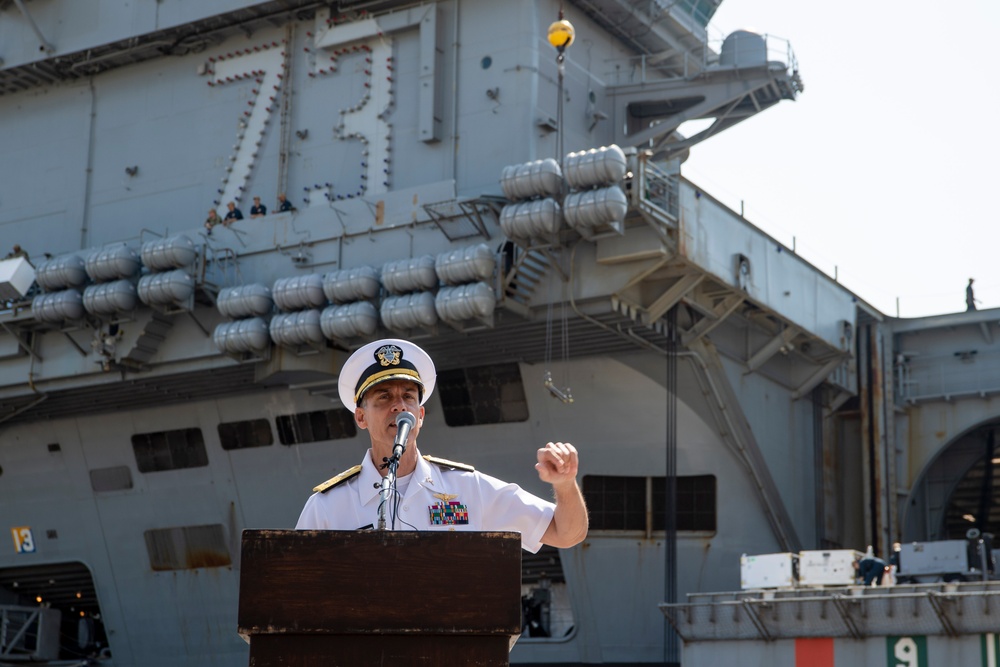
<point>16,276</point>
<point>769,570</point>
<point>925,558</point>
<point>833,567</point>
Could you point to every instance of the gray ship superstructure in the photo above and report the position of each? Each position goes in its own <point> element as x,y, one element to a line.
<point>166,384</point>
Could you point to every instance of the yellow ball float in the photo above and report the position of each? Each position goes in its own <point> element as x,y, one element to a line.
<point>561,34</point>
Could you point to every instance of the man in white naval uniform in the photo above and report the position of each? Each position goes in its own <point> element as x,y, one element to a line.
<point>390,376</point>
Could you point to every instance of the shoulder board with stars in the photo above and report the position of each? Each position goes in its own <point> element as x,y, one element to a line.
<point>334,481</point>
<point>445,463</point>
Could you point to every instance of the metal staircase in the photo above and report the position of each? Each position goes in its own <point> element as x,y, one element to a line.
<point>527,268</point>
<point>153,333</point>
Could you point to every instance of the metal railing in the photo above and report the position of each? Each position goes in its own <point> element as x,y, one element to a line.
<point>777,50</point>
<point>856,612</point>
<point>646,67</point>
<point>916,381</point>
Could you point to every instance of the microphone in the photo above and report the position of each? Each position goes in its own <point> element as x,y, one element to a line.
<point>404,422</point>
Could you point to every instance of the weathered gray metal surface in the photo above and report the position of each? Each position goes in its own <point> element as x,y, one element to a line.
<point>946,357</point>
<point>943,379</point>
<point>966,650</point>
<point>855,612</point>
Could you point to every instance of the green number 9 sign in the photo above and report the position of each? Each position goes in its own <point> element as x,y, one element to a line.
<point>906,651</point>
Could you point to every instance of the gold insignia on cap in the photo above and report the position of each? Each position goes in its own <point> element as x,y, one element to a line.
<point>389,355</point>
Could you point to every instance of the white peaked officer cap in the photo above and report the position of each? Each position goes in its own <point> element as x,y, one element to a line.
<point>383,360</point>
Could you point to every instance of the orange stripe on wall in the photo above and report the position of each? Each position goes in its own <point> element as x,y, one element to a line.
<point>814,652</point>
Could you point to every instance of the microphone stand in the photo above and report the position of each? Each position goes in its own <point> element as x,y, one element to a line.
<point>404,422</point>
<point>388,482</point>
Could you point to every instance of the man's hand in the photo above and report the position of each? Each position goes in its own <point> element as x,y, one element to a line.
<point>557,463</point>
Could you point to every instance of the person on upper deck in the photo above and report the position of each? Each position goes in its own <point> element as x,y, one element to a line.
<point>869,568</point>
<point>283,204</point>
<point>387,377</point>
<point>970,297</point>
<point>212,220</point>
<point>258,210</point>
<point>16,252</point>
<point>233,215</point>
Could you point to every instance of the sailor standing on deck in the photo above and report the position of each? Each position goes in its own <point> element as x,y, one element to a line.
<point>970,296</point>
<point>387,377</point>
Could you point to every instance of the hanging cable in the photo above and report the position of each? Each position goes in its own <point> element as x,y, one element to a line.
<point>560,36</point>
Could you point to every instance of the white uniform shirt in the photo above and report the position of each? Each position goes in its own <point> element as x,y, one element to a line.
<point>465,501</point>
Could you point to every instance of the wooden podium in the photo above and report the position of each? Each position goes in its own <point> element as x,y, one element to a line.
<point>358,598</point>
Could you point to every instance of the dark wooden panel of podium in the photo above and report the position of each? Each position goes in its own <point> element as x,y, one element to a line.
<point>357,598</point>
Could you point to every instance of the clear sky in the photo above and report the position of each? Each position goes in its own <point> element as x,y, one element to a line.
<point>887,166</point>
